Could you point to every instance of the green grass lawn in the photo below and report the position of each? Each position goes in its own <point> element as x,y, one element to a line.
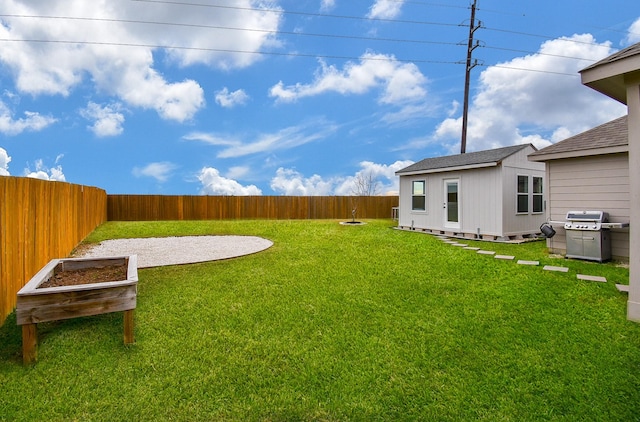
<point>339,323</point>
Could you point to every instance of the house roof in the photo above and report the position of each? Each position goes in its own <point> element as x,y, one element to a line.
<point>632,50</point>
<point>607,138</point>
<point>487,158</point>
<point>608,75</point>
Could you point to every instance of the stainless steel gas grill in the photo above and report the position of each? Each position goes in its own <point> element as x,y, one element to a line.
<point>588,235</point>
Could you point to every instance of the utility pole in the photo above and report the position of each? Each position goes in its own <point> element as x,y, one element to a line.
<point>467,81</point>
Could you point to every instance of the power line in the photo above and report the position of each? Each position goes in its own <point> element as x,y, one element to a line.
<point>499,66</point>
<point>231,28</point>
<point>547,37</point>
<point>291,12</point>
<point>424,3</point>
<point>291,33</point>
<point>307,34</point>
<point>233,51</point>
<point>275,53</point>
<point>326,15</point>
<point>514,50</point>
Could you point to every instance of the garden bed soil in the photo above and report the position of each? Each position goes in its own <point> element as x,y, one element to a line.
<point>85,276</point>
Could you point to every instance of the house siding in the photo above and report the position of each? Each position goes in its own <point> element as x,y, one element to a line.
<point>590,183</point>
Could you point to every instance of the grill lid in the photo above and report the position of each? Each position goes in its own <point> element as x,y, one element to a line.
<point>599,216</point>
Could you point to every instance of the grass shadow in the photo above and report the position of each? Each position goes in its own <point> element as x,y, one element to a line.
<point>11,340</point>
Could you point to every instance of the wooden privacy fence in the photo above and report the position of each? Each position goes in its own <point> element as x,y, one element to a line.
<point>163,207</point>
<point>41,220</point>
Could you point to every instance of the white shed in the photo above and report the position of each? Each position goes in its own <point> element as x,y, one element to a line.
<point>492,194</point>
<point>589,171</point>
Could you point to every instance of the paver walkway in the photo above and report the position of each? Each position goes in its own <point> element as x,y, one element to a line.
<point>583,277</point>
<point>523,262</point>
<point>592,278</point>
<point>555,268</point>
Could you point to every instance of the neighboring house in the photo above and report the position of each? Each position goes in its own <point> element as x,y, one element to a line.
<point>493,194</point>
<point>589,171</point>
<point>618,77</point>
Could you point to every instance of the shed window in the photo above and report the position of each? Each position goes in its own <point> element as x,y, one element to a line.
<point>523,195</point>
<point>419,196</point>
<point>538,202</point>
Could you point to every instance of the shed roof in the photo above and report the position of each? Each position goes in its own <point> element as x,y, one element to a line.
<point>607,138</point>
<point>487,158</point>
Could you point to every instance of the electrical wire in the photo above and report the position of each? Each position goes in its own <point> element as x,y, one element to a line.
<point>230,28</point>
<point>291,12</point>
<point>297,33</point>
<point>233,51</point>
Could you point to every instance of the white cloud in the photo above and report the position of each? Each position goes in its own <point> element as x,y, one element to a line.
<point>127,71</point>
<point>517,106</point>
<point>228,99</point>
<point>409,113</point>
<point>44,173</point>
<point>238,172</point>
<point>160,171</point>
<point>55,173</point>
<point>400,82</point>
<point>291,182</point>
<point>208,138</point>
<point>634,32</point>
<point>30,122</point>
<point>286,138</point>
<point>327,5</point>
<point>4,162</point>
<point>215,184</point>
<point>107,120</point>
<point>385,9</point>
<point>145,88</point>
<point>384,176</point>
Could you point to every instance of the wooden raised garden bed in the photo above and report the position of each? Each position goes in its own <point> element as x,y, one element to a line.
<point>77,287</point>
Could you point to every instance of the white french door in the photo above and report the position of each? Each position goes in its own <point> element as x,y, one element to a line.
<point>451,203</point>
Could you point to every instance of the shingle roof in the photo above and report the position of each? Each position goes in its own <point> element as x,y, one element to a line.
<point>622,54</point>
<point>463,160</point>
<point>608,75</point>
<point>608,135</point>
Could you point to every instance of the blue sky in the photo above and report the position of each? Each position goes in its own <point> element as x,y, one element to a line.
<point>243,97</point>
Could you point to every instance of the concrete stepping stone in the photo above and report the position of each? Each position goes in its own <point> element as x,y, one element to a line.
<point>523,262</point>
<point>459,244</point>
<point>505,257</point>
<point>622,287</point>
<point>486,252</point>
<point>450,242</point>
<point>592,278</point>
<point>471,248</point>
<point>553,268</point>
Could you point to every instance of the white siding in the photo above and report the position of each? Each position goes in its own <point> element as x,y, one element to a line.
<point>487,199</point>
<point>478,196</point>
<point>590,183</point>
<point>481,197</point>
<point>514,166</point>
